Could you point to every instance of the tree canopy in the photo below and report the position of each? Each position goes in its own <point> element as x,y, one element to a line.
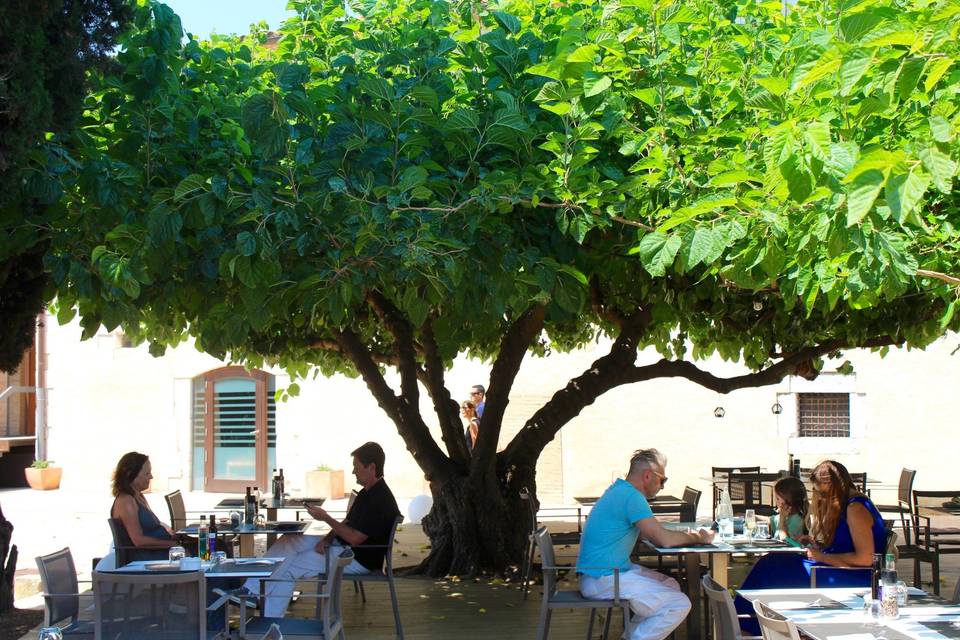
<point>45,51</point>
<point>397,183</point>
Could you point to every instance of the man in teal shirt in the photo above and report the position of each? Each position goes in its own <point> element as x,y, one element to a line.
<point>618,517</point>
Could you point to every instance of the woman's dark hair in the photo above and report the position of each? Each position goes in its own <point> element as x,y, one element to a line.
<point>370,453</point>
<point>794,494</point>
<point>127,469</point>
<point>466,404</point>
<point>828,506</point>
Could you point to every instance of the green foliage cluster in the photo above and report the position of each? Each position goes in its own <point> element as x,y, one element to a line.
<point>761,182</point>
<point>45,51</point>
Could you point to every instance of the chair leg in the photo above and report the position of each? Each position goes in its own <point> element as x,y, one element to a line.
<point>606,624</point>
<point>527,570</point>
<point>363,594</point>
<point>593,613</point>
<point>543,626</point>
<point>935,570</point>
<point>396,608</point>
<point>916,572</point>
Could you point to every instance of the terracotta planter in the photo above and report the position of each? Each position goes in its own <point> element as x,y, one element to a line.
<point>44,479</point>
<point>324,484</point>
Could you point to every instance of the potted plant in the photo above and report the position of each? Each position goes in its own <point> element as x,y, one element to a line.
<point>324,482</point>
<point>43,476</point>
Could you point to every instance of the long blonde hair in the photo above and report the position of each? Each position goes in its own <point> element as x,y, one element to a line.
<point>826,509</point>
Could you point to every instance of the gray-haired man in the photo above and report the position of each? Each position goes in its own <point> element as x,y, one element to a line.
<point>615,521</point>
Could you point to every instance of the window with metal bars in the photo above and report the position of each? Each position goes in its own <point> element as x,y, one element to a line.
<point>823,415</point>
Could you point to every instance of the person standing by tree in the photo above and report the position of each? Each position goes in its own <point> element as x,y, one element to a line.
<point>620,515</point>
<point>477,396</point>
<point>469,413</point>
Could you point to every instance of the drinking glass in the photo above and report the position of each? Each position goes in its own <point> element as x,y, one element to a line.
<point>749,522</point>
<point>260,521</point>
<point>219,557</point>
<point>235,518</point>
<point>762,531</point>
<point>50,633</point>
<point>176,553</point>
<point>901,593</point>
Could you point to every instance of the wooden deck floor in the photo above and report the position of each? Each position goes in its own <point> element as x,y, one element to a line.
<point>457,610</point>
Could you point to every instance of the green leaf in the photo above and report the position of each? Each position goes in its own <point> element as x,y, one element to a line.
<point>412,177</point>
<point>594,84</point>
<point>855,26</point>
<point>935,71</point>
<point>904,193</point>
<point>377,87</point>
<point>426,95</point>
<point>941,129</point>
<point>852,69</point>
<point>506,21</point>
<point>586,53</point>
<point>947,315</point>
<point>843,158</point>
<point>776,86</point>
<point>910,72</point>
<point>861,195</point>
<point>463,119</point>
<point>940,166</point>
<point>817,135</point>
<point>246,243</point>
<point>657,252</point>
<point>192,185</point>
<point>705,247</point>
<point>263,124</point>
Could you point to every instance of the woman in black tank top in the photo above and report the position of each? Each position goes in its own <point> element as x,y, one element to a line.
<point>150,538</point>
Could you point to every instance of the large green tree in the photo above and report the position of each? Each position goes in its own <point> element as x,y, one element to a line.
<point>46,48</point>
<point>413,180</point>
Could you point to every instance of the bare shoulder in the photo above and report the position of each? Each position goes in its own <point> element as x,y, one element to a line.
<point>859,512</point>
<point>124,504</point>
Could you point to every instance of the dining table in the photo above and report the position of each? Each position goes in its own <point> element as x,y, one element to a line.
<point>718,555</point>
<point>272,506</point>
<point>659,505</point>
<point>840,614</point>
<point>246,532</point>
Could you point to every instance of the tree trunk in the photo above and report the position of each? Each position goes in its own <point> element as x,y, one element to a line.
<point>8,564</point>
<point>476,527</point>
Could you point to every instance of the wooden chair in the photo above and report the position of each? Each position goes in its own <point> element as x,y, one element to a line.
<point>554,598</point>
<point>726,622</point>
<point>773,626</point>
<point>691,500</point>
<point>956,593</point>
<point>329,621</point>
<point>140,606</point>
<point>565,538</point>
<point>904,495</point>
<point>61,595</point>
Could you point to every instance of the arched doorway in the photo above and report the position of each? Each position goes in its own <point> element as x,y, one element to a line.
<point>234,430</point>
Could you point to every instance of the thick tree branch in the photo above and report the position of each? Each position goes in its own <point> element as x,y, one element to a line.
<point>415,434</point>
<point>516,341</point>
<point>402,332</point>
<point>447,408</point>
<point>380,358</point>
<point>609,372</point>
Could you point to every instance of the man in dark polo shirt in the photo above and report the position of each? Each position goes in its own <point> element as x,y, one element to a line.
<point>366,529</point>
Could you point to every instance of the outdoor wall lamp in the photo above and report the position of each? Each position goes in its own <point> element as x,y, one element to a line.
<point>776,409</point>
<point>719,412</point>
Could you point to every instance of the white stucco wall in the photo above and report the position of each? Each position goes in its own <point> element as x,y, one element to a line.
<point>105,400</point>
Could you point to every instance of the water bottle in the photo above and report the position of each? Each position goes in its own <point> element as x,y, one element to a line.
<point>725,515</point>
<point>202,532</point>
<point>890,609</point>
<point>51,633</point>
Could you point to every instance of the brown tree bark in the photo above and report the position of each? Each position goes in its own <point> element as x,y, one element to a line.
<point>8,564</point>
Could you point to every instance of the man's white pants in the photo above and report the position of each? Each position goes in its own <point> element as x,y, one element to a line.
<point>658,604</point>
<point>301,560</point>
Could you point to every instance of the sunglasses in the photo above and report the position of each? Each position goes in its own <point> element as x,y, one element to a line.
<point>663,478</point>
<point>476,393</point>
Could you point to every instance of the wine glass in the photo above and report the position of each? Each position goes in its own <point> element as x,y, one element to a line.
<point>50,633</point>
<point>749,521</point>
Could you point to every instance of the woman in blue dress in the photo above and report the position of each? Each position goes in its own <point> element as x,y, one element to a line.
<point>150,538</point>
<point>846,530</point>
